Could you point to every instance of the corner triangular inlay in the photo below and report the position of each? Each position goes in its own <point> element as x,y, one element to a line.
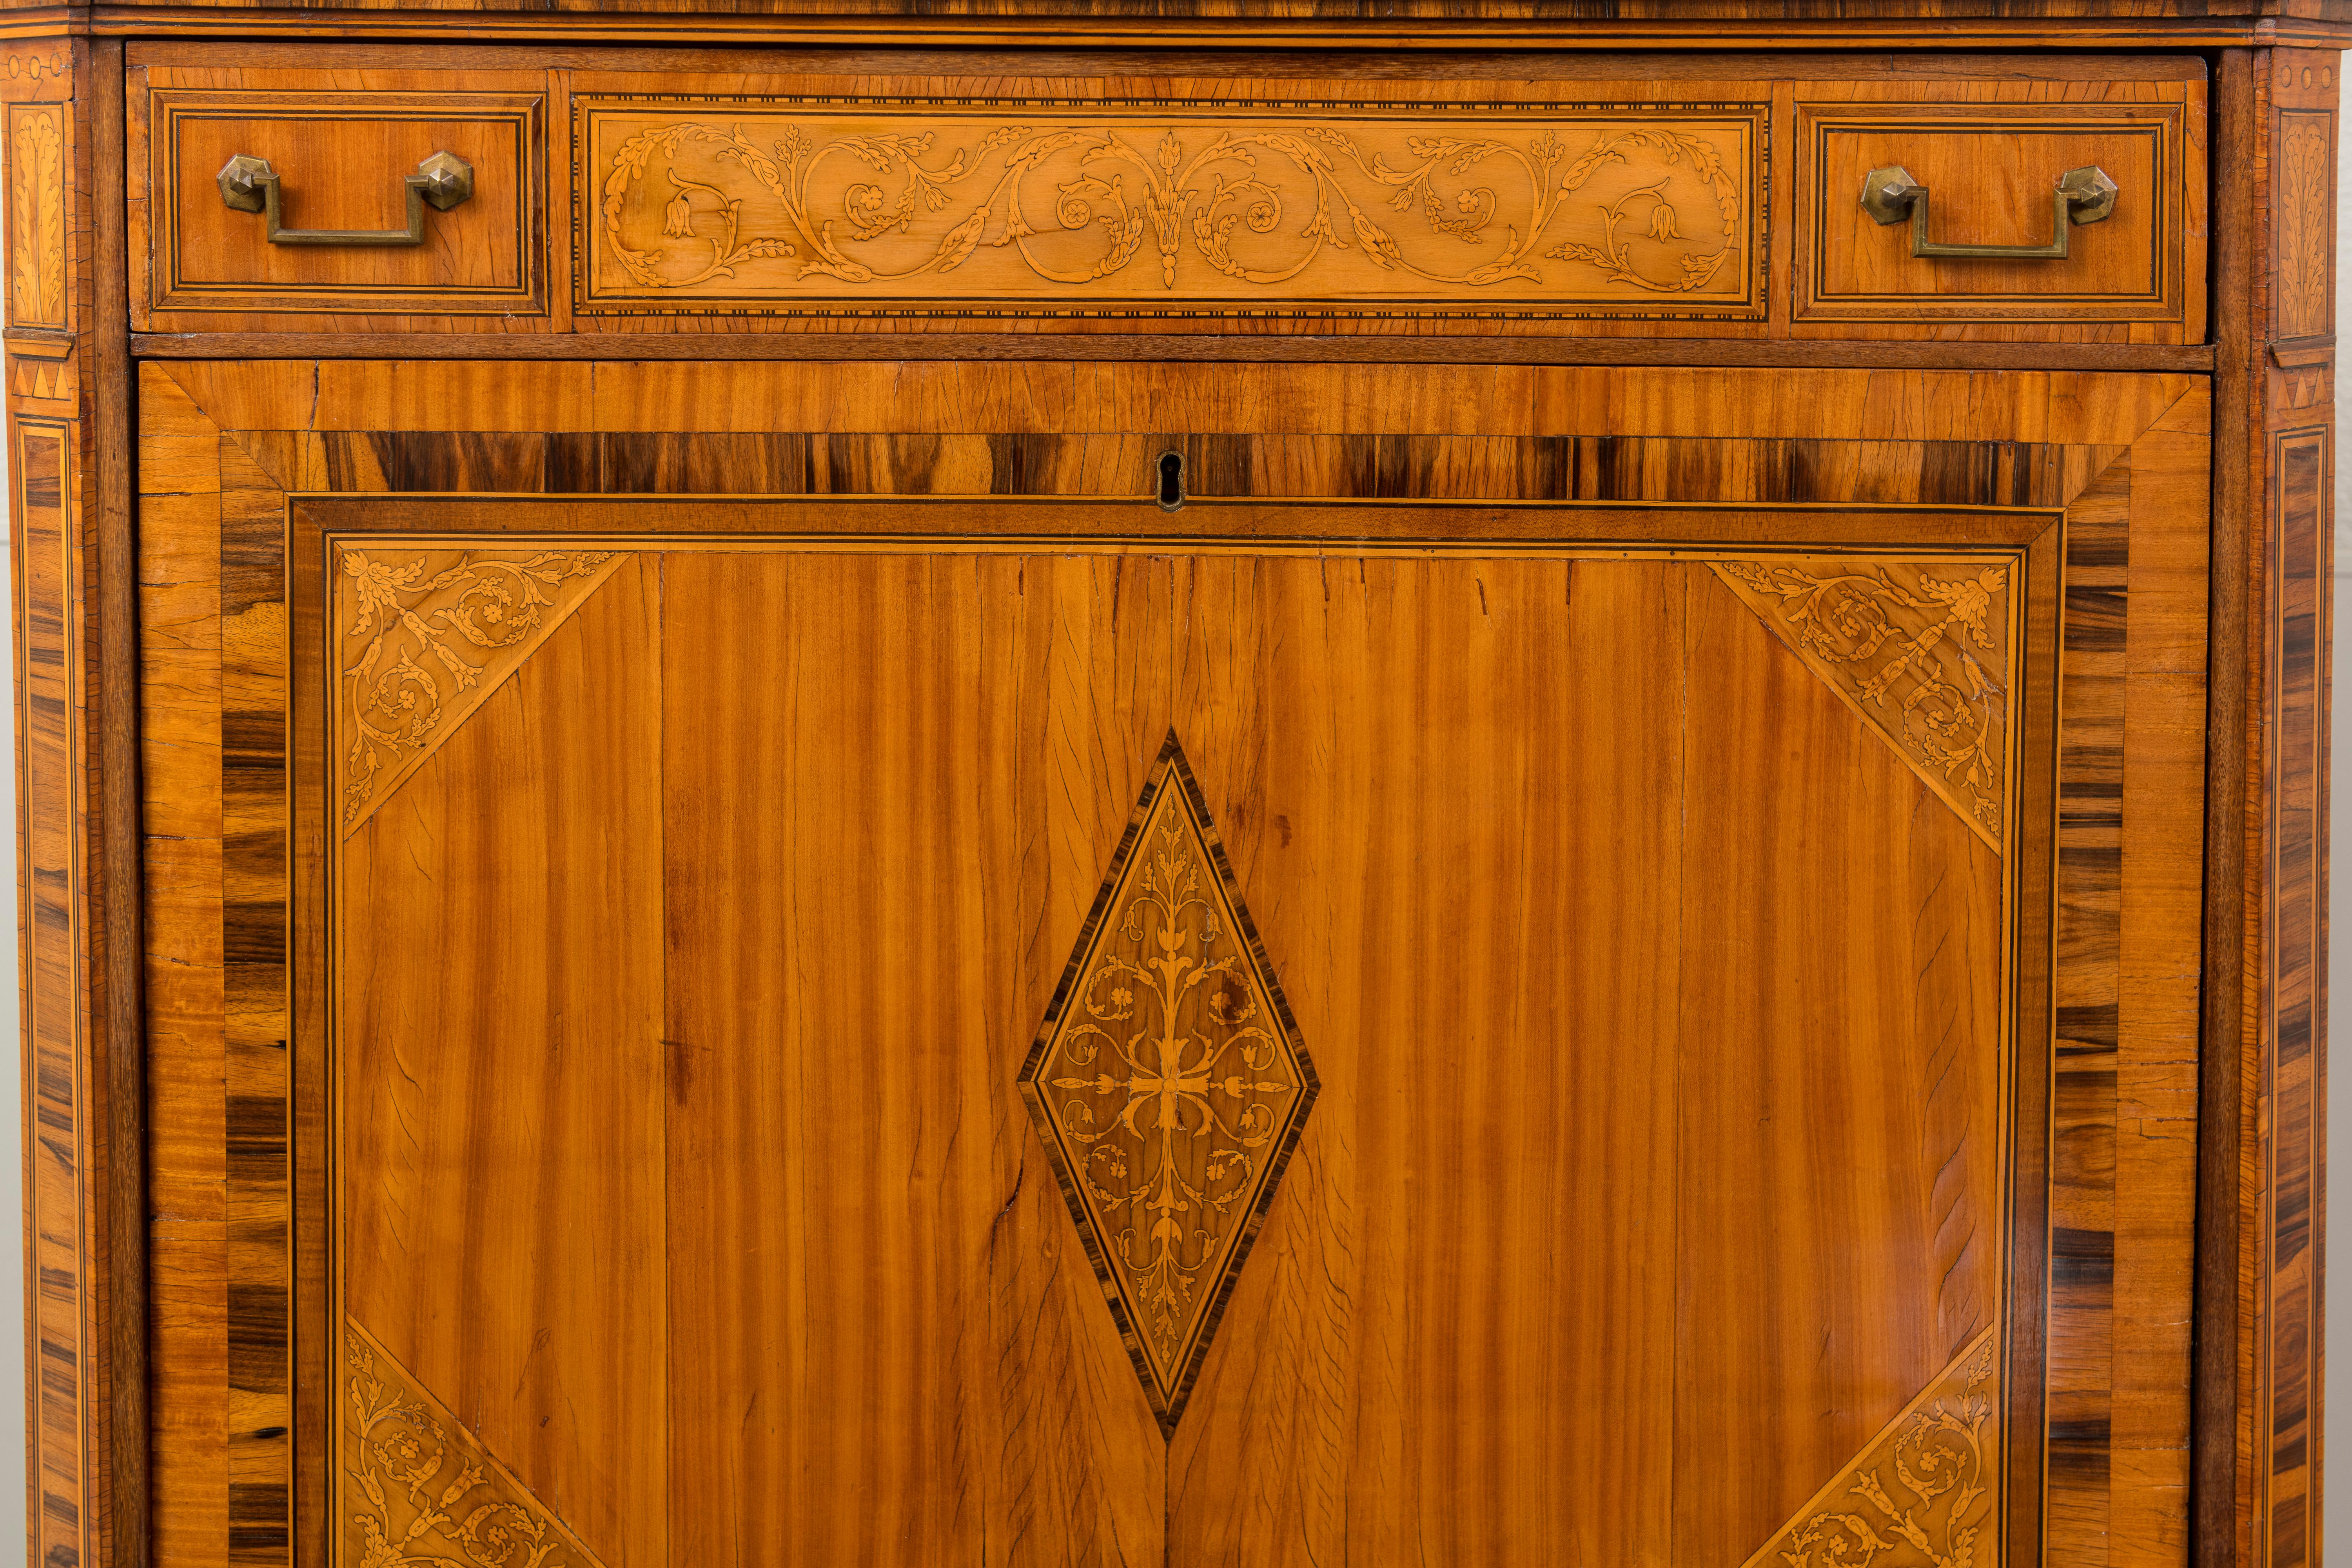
<point>422,637</point>
<point>1919,649</point>
<point>1924,1494</point>
<point>419,1488</point>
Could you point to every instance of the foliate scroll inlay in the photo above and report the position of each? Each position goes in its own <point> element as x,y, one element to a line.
<point>1168,1084</point>
<point>420,1491</point>
<point>426,636</point>
<point>36,216</point>
<point>1919,649</point>
<point>1923,1494</point>
<point>1039,210</point>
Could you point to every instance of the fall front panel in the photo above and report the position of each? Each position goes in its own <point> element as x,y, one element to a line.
<point>1523,1069</point>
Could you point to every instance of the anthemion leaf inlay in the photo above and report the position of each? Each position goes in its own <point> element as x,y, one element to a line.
<point>1168,1084</point>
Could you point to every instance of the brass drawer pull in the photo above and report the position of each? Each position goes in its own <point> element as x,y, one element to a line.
<point>250,185</point>
<point>2083,196</point>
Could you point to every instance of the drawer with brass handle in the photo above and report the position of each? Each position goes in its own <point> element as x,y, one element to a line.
<point>2026,199</point>
<point>344,202</point>
<point>1976,215</point>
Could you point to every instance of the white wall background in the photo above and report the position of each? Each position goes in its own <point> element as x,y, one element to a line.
<point>12,1163</point>
<point>2337,1246</point>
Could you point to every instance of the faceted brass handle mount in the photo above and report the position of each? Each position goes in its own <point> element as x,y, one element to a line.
<point>250,185</point>
<point>2083,195</point>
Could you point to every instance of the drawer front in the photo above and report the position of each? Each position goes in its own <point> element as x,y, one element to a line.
<point>1991,172</point>
<point>340,160</point>
<point>1708,197</point>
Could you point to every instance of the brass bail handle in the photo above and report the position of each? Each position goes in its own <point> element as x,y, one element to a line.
<point>250,185</point>
<point>2083,195</point>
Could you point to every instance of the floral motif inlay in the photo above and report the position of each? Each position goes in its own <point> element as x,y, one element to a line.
<point>1168,1084</point>
<point>1526,211</point>
<point>1922,1496</point>
<point>418,1489</point>
<point>422,645</point>
<point>1922,651</point>
<point>36,216</point>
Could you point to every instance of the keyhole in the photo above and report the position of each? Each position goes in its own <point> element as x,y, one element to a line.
<point>1171,480</point>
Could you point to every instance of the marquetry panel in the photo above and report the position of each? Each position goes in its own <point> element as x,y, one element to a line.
<point>43,371</point>
<point>2034,440</point>
<point>37,157</point>
<point>788,664</point>
<point>425,637</point>
<point>2305,192</point>
<point>424,1488</point>
<point>1927,1490</point>
<point>1921,651</point>
<point>829,206</point>
<point>1169,1083</point>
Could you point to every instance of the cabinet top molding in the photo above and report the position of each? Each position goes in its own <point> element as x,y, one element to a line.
<point>1433,26</point>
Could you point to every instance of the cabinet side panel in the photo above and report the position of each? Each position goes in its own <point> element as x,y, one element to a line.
<point>78,824</point>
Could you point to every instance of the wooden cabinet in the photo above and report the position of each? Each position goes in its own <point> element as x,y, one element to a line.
<point>931,802</point>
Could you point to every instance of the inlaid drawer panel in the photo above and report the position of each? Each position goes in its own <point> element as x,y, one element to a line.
<point>342,160</point>
<point>1284,205</point>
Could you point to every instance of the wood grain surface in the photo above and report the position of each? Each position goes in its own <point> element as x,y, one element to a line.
<point>2287,799</point>
<point>82,897</point>
<point>1449,1370</point>
<point>1483,26</point>
<point>2077,426</point>
<point>498,1096</point>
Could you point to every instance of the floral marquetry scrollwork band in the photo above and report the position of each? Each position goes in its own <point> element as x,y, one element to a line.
<point>1921,651</point>
<point>696,205</point>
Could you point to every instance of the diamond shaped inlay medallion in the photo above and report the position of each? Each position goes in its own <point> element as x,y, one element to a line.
<point>1169,1083</point>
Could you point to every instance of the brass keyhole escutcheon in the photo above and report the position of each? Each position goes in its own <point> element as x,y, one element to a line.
<point>1171,480</point>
